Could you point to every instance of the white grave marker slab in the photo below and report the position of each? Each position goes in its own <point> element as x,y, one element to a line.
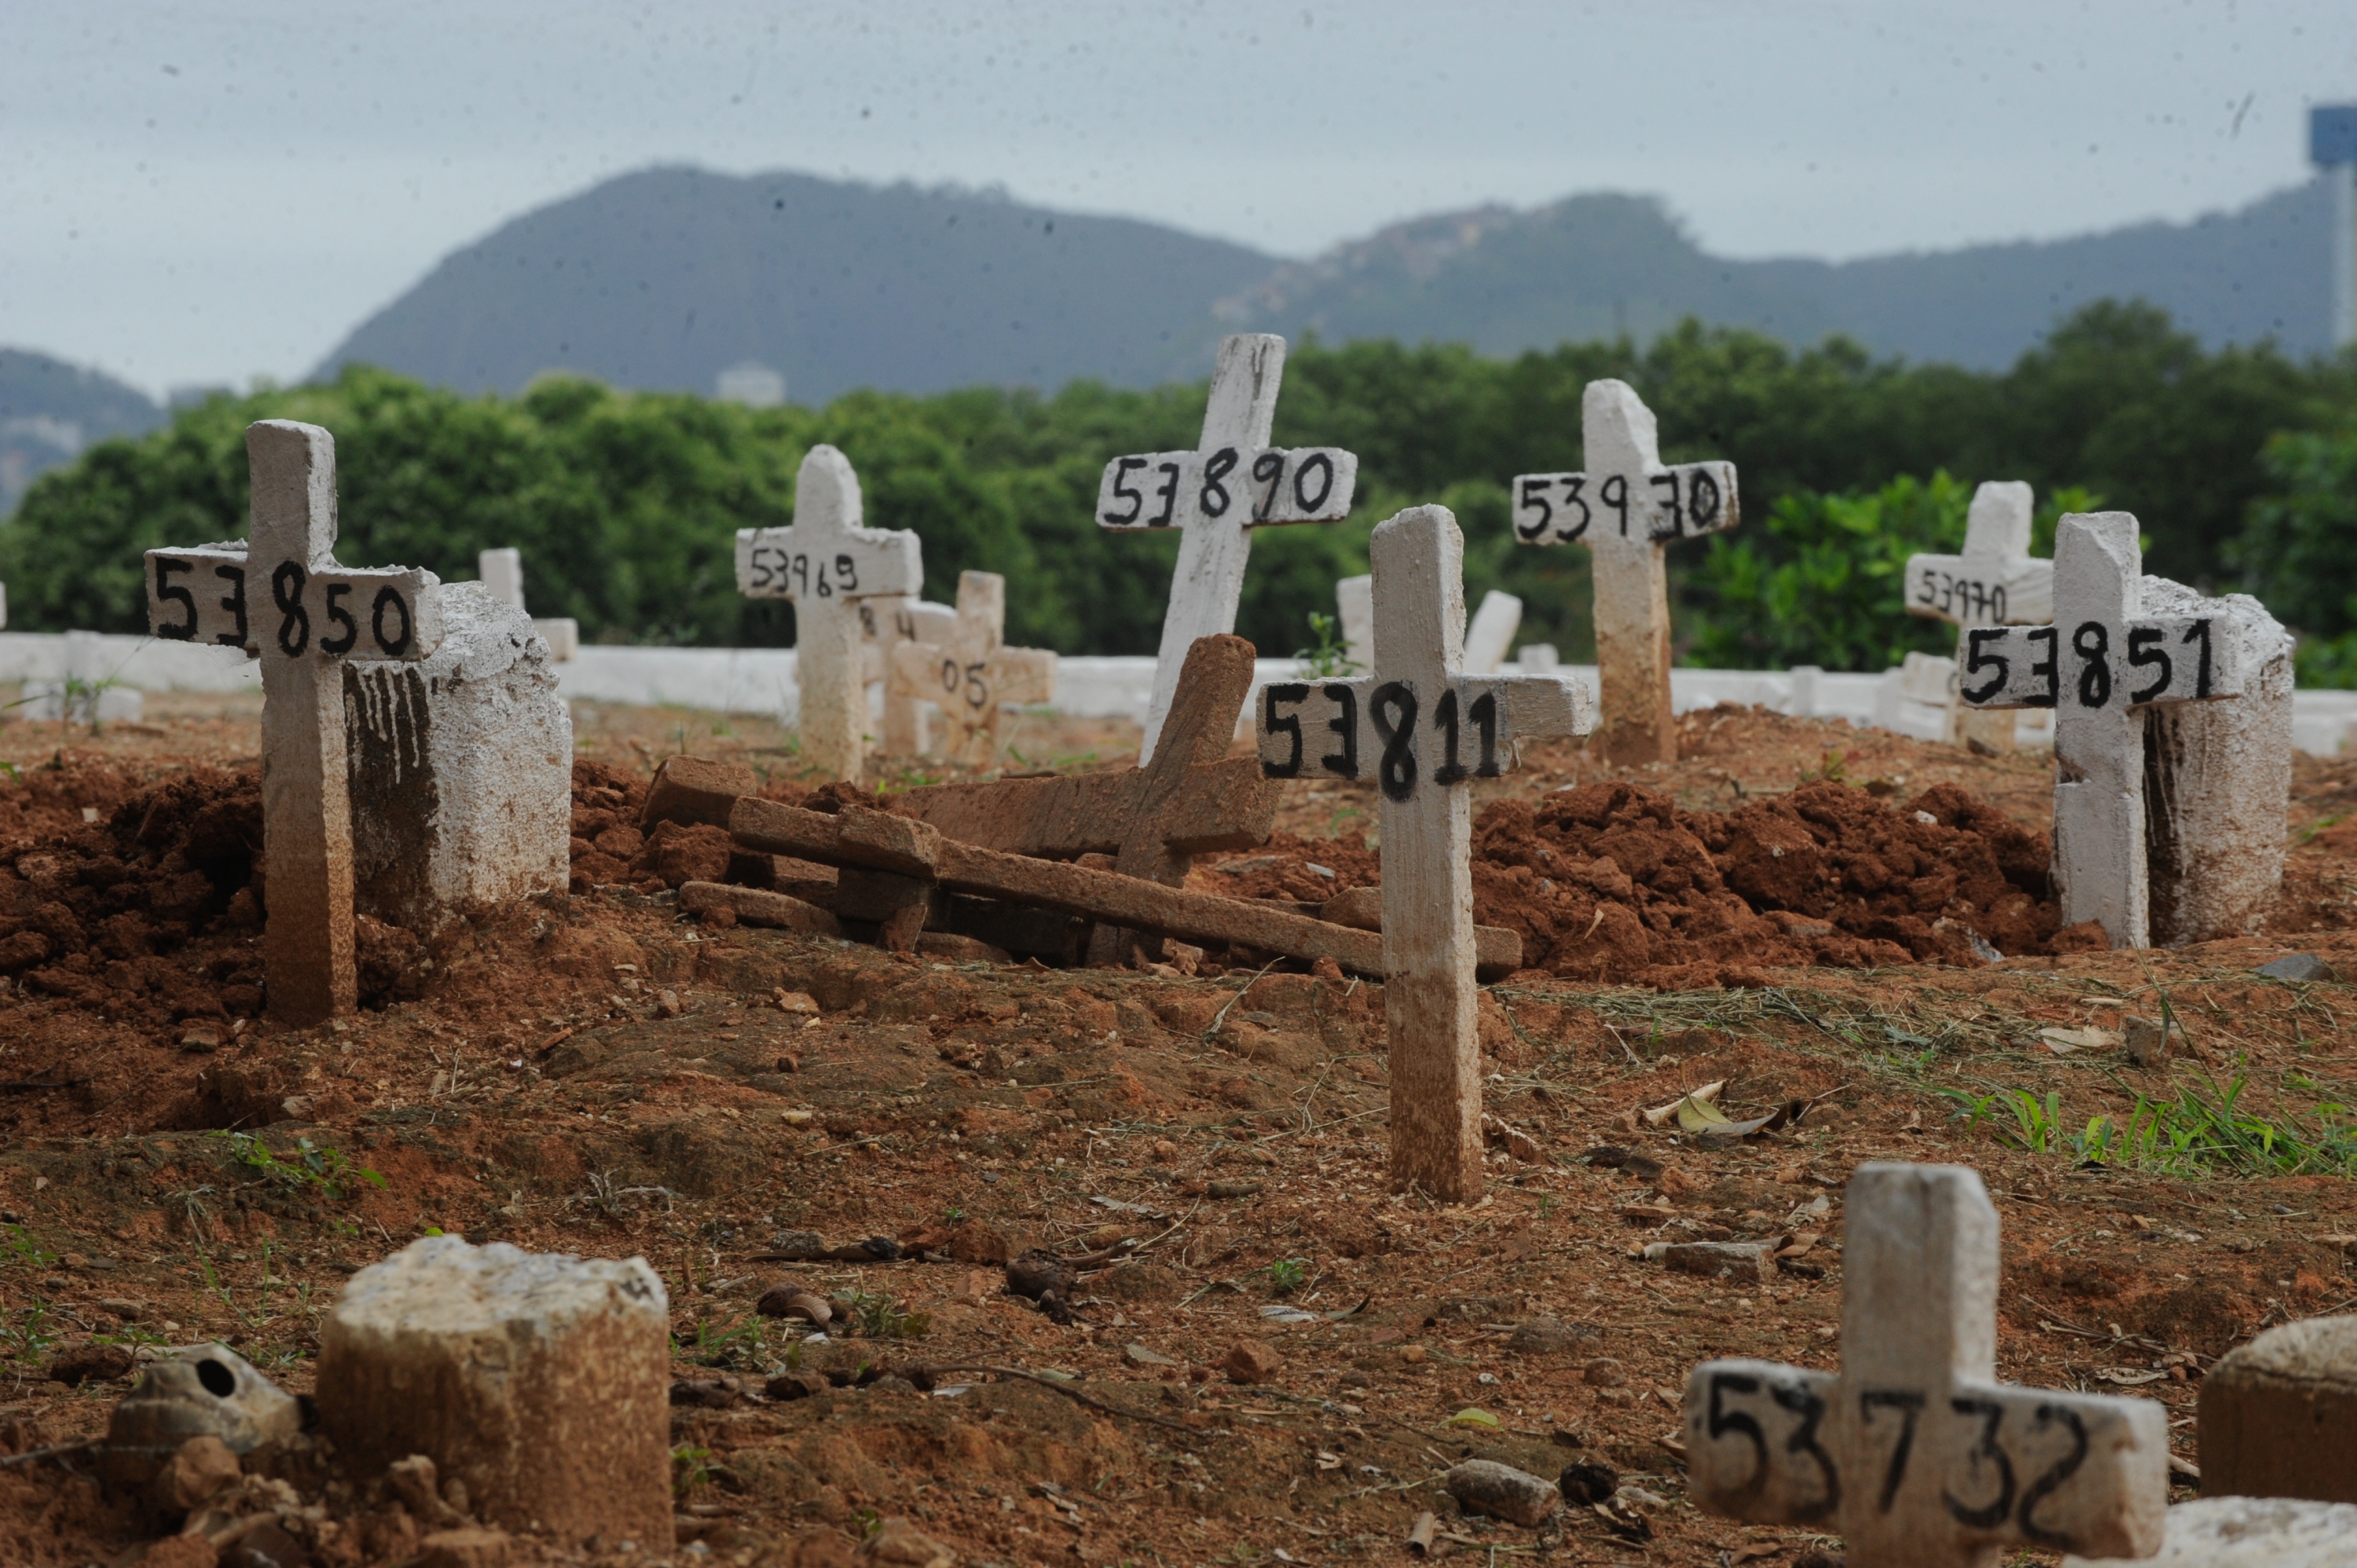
<point>1625,506</point>
<point>1492,636</point>
<point>1423,729</point>
<point>306,616</point>
<point>1215,496</point>
<point>969,674</point>
<point>884,622</point>
<point>1915,1454</point>
<point>501,571</point>
<point>1996,582</point>
<point>826,564</point>
<point>2099,666</point>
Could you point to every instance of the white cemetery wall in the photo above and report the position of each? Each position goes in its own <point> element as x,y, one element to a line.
<point>2218,782</point>
<point>461,769</point>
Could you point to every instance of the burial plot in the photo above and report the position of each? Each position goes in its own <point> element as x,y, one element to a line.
<point>1424,729</point>
<point>308,615</point>
<point>886,622</point>
<point>826,564</point>
<point>501,571</point>
<point>1215,496</point>
<point>1625,506</point>
<point>1191,799</point>
<point>968,672</point>
<point>1996,582</point>
<point>2115,664</point>
<point>1914,1453</point>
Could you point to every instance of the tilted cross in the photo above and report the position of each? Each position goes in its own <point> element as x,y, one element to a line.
<point>884,622</point>
<point>1996,582</point>
<point>1915,1454</point>
<point>1425,730</point>
<point>969,672</point>
<point>2098,666</point>
<point>826,564</point>
<point>1215,496</point>
<point>1625,506</point>
<point>307,615</point>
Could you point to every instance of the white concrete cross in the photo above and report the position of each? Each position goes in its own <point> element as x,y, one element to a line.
<point>1625,506</point>
<point>1915,1454</point>
<point>501,571</point>
<point>969,674</point>
<point>2099,666</point>
<point>1996,582</point>
<point>1492,636</point>
<point>825,563</point>
<point>1425,730</point>
<point>1215,496</point>
<point>304,618</point>
<point>884,623</point>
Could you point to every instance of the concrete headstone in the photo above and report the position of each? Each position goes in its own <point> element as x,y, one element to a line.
<point>2248,1532</point>
<point>1491,637</point>
<point>1425,730</point>
<point>2121,645</point>
<point>969,674</point>
<point>1996,582</point>
<point>886,622</point>
<point>2279,1416</point>
<point>825,563</point>
<point>1215,496</point>
<point>1914,1453</point>
<point>539,1382</point>
<point>1625,505</point>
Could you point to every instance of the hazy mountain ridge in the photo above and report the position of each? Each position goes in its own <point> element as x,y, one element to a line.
<point>50,410</point>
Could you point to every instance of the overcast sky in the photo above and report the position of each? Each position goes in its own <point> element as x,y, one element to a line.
<point>204,193</point>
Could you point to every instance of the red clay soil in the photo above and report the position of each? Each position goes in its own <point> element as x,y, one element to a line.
<point>1612,883</point>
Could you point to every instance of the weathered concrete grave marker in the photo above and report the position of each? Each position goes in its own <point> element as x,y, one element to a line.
<point>1915,1454</point>
<point>501,571</point>
<point>1424,729</point>
<point>308,617</point>
<point>1996,582</point>
<point>2099,666</point>
<point>1625,506</point>
<point>969,672</point>
<point>884,622</point>
<point>825,563</point>
<point>1215,496</point>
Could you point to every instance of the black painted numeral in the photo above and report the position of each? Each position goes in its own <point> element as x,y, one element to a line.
<point>1169,492</point>
<point>1484,714</point>
<point>2093,643</point>
<point>2052,637</point>
<point>2050,1482</point>
<point>2199,632</point>
<point>1288,694</point>
<point>1910,1406</point>
<point>1122,491</point>
<point>1345,725</point>
<point>1322,465</point>
<point>287,584</point>
<point>1811,1408</point>
<point>1573,484</point>
<point>1534,495</point>
<point>1672,501</point>
<point>1268,468</point>
<point>846,575</point>
<point>1977,658</point>
<point>1444,719</point>
<point>234,602</point>
<point>1213,497</point>
<point>1614,492</point>
<point>1392,708</point>
<point>2145,651</point>
<point>173,593</point>
<point>1991,1413</point>
<point>389,598</point>
<point>1703,500</point>
<point>338,616</point>
<point>1720,1421</point>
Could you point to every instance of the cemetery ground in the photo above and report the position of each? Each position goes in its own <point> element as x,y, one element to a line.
<point>1278,1356</point>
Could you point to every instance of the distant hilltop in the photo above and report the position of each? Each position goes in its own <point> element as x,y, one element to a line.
<point>669,277</point>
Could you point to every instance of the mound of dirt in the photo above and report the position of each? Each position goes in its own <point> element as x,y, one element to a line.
<point>90,909</point>
<point>1613,883</point>
<point>610,848</point>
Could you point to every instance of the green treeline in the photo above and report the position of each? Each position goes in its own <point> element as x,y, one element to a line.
<point>2240,464</point>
